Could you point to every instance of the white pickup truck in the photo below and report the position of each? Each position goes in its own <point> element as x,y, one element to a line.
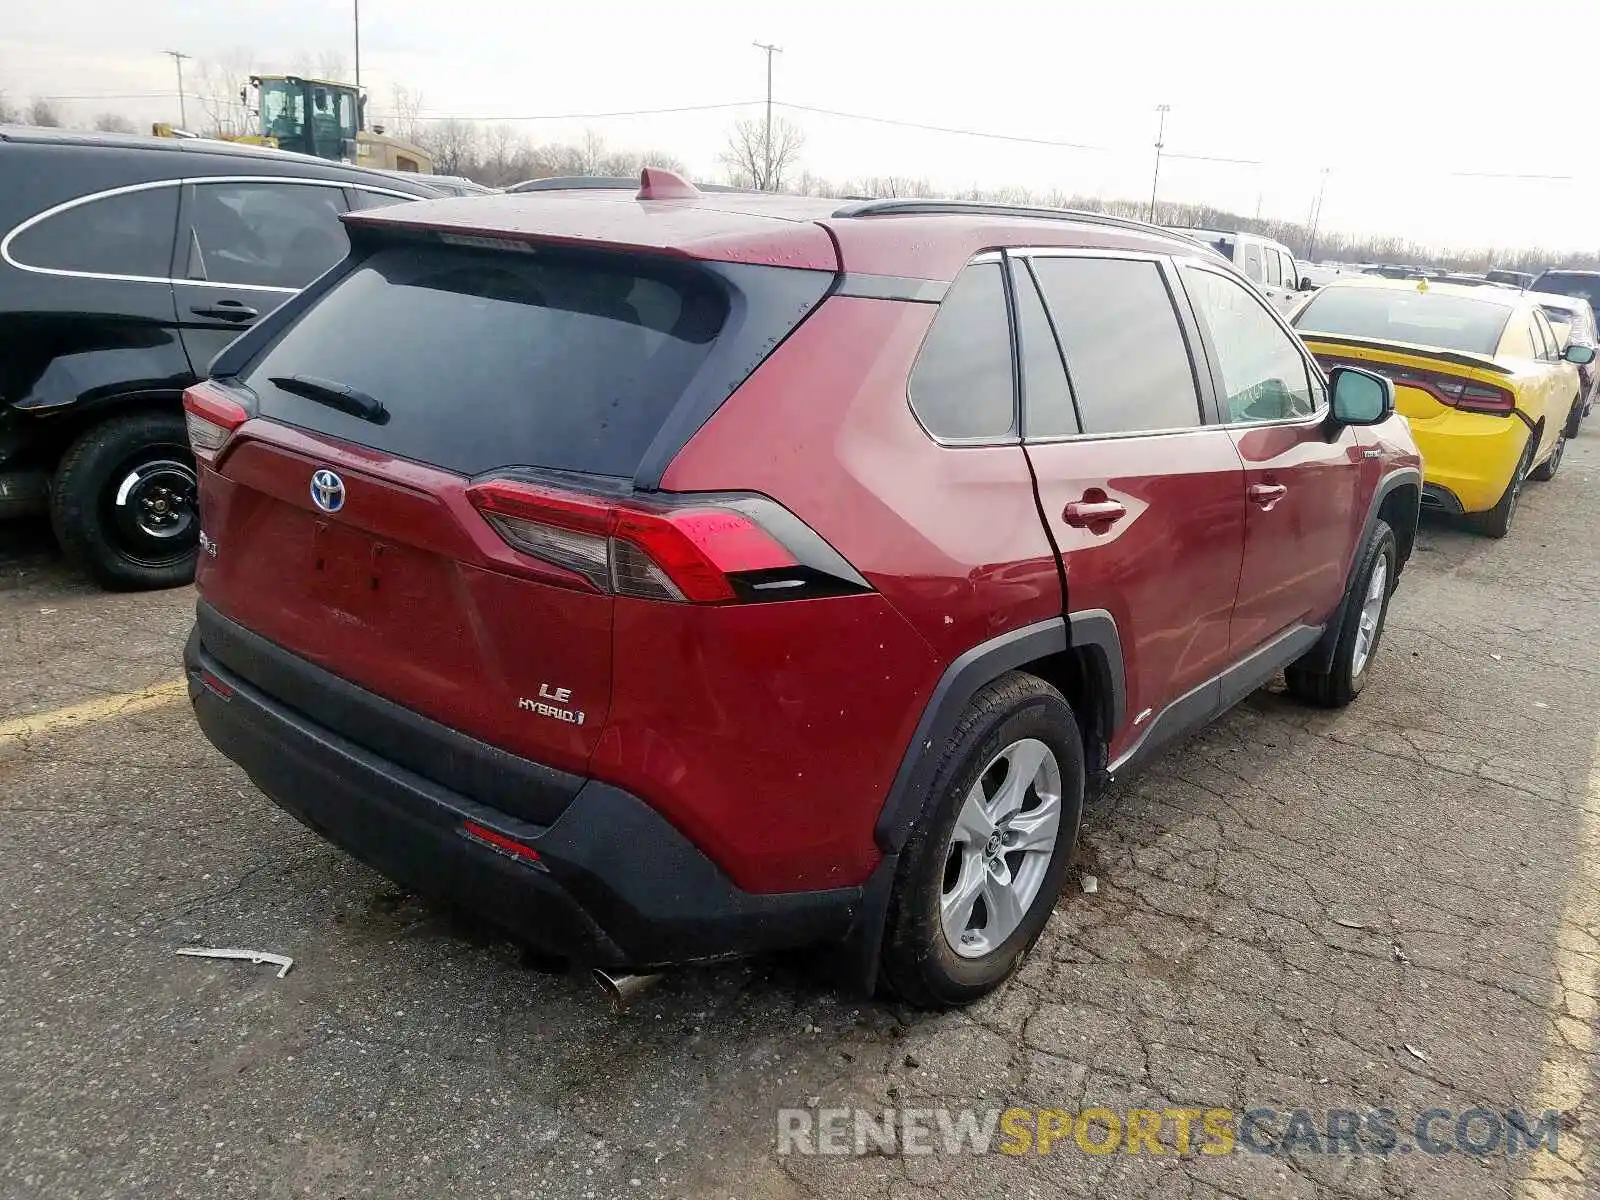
<point>1268,264</point>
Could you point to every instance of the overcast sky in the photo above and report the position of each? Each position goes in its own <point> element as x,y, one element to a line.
<point>1413,105</point>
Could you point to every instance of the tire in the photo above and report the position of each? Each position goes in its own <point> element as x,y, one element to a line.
<point>1575,418</point>
<point>1009,722</point>
<point>1496,523</point>
<point>1546,471</point>
<point>1360,629</point>
<point>124,505</point>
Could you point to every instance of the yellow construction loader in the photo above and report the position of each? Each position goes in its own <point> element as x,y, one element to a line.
<point>320,118</point>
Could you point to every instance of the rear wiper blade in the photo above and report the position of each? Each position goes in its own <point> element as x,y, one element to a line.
<point>334,395</point>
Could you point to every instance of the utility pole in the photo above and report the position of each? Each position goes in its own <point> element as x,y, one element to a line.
<point>183,109</point>
<point>360,108</point>
<point>765,183</point>
<point>1161,130</point>
<point>1316,217</point>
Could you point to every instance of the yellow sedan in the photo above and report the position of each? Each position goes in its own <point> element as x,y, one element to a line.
<point>1478,371</point>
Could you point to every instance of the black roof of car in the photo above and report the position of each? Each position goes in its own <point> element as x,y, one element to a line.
<point>238,151</point>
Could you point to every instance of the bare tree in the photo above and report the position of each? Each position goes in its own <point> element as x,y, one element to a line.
<point>113,122</point>
<point>452,144</point>
<point>322,64</point>
<point>407,112</point>
<point>592,153</point>
<point>754,159</point>
<point>8,115</point>
<point>217,86</point>
<point>43,112</point>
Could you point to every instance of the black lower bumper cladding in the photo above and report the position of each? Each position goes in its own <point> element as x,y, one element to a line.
<point>615,885</point>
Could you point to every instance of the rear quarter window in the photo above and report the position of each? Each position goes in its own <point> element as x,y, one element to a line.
<point>962,387</point>
<point>130,233</point>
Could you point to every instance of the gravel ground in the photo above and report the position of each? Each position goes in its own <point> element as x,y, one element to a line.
<point>1394,906</point>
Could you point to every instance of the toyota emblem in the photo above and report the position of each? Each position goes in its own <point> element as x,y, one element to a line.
<point>327,491</point>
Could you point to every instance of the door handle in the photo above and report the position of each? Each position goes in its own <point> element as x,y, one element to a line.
<point>226,310</point>
<point>1082,513</point>
<point>1266,494</point>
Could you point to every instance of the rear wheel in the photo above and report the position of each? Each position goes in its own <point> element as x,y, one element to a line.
<point>1496,523</point>
<point>1546,470</point>
<point>124,504</point>
<point>978,879</point>
<point>1360,629</point>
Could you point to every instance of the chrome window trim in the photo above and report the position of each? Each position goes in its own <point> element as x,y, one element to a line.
<point>127,189</point>
<point>1133,433</point>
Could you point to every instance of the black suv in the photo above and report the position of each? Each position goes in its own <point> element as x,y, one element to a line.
<point>126,265</point>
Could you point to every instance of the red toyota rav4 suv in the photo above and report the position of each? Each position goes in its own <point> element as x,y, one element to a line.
<point>671,576</point>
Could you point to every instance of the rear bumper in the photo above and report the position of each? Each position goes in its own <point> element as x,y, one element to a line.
<point>615,885</point>
<point>1470,456</point>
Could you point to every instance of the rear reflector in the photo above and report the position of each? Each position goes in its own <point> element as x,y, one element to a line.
<point>685,554</point>
<point>211,416</point>
<point>498,841</point>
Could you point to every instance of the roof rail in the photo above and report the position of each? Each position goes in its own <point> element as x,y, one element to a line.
<point>918,208</point>
<point>586,183</point>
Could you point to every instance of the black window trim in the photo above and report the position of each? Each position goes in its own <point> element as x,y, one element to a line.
<point>1313,368</point>
<point>179,244</point>
<point>1204,383</point>
<point>1014,437</point>
<point>1020,273</point>
<point>1548,333</point>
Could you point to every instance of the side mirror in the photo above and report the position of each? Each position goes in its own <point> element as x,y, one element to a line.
<point>1578,355</point>
<point>1359,397</point>
<point>1305,283</point>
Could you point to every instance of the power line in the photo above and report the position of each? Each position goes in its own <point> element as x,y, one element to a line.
<point>986,134</point>
<point>592,116</point>
<point>977,133</point>
<point>116,96</point>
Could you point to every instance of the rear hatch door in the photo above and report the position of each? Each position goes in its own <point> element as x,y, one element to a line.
<point>341,514</point>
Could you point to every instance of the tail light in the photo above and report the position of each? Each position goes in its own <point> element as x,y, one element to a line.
<point>1453,391</point>
<point>695,550</point>
<point>212,416</point>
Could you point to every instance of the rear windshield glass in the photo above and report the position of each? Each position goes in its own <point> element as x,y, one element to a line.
<point>1566,284</point>
<point>1404,315</point>
<point>485,359</point>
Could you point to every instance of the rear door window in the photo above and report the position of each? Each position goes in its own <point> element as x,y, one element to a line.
<point>484,359</point>
<point>128,234</point>
<point>1126,356</point>
<point>1248,257</point>
<point>265,234</point>
<point>961,386</point>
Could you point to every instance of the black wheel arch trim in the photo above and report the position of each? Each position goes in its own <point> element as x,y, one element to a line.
<point>1320,656</point>
<point>1095,631</point>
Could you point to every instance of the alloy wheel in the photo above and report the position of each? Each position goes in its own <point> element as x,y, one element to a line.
<point>1371,616</point>
<point>1001,847</point>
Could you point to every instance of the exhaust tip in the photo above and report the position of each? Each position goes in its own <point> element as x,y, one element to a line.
<point>623,990</point>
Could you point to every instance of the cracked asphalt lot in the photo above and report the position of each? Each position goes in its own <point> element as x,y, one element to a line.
<point>1286,903</point>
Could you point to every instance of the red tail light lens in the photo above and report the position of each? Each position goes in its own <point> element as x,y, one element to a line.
<point>695,552</point>
<point>1452,390</point>
<point>211,416</point>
